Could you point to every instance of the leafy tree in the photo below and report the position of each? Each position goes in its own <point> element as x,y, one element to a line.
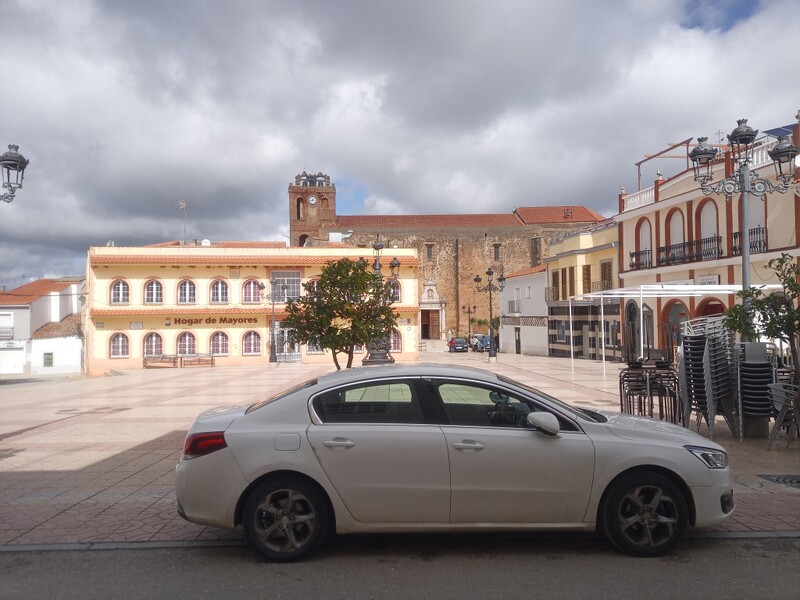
<point>774,315</point>
<point>348,305</point>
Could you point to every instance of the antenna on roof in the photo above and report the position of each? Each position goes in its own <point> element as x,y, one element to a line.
<point>182,205</point>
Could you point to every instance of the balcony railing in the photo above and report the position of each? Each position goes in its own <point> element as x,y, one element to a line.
<point>551,294</point>
<point>513,307</point>
<point>640,260</point>
<point>602,286</point>
<point>6,333</point>
<point>758,241</point>
<point>708,248</point>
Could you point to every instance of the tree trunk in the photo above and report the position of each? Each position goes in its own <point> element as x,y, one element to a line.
<point>796,362</point>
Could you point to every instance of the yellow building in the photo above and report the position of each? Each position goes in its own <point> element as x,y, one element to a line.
<point>179,304</point>
<point>582,263</point>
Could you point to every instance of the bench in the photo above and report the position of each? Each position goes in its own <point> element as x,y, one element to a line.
<point>160,360</point>
<point>197,360</point>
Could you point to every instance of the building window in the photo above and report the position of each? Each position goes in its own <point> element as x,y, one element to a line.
<point>290,279</point>
<point>572,281</point>
<point>153,292</point>
<point>219,344</point>
<point>395,287</point>
<point>219,292</point>
<point>605,276</point>
<point>561,331</point>
<point>251,343</point>
<point>186,292</point>
<point>153,345</point>
<point>428,251</point>
<point>186,344</point>
<point>527,292</point>
<point>119,292</point>
<point>587,279</point>
<point>119,346</point>
<point>497,252</point>
<point>47,359</point>
<point>397,341</point>
<point>251,293</point>
<point>311,288</point>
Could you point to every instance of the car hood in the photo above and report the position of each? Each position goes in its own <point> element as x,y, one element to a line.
<point>218,419</point>
<point>631,427</point>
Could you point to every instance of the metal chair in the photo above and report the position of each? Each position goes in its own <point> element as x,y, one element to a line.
<point>782,395</point>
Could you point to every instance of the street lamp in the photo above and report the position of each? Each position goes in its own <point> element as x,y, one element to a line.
<point>742,180</point>
<point>469,311</point>
<point>490,287</point>
<point>379,349</point>
<point>13,165</point>
<point>273,285</point>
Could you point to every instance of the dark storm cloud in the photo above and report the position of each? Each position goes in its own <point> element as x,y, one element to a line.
<point>127,108</point>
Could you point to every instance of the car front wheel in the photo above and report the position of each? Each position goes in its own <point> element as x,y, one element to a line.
<point>285,519</point>
<point>644,514</point>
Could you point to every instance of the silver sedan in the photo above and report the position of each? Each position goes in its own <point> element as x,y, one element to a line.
<point>432,448</point>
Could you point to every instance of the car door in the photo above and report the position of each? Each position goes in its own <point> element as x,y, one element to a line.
<point>501,470</point>
<point>383,452</point>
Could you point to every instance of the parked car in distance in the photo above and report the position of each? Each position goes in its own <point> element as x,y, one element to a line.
<point>458,344</point>
<point>480,342</point>
<point>440,448</point>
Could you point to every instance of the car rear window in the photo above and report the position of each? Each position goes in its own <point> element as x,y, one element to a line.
<point>281,394</point>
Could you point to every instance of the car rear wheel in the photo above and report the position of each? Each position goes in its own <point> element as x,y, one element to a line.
<point>644,514</point>
<point>285,519</point>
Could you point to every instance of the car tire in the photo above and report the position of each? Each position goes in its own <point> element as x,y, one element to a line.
<point>644,514</point>
<point>286,518</point>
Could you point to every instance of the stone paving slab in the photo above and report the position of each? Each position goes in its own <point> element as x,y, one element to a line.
<point>86,461</point>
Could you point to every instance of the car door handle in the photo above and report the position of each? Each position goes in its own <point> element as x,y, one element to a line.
<point>468,445</point>
<point>339,443</point>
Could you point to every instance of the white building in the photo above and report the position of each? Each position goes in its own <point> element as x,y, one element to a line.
<point>40,327</point>
<point>523,309</point>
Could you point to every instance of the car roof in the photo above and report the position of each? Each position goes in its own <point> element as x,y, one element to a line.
<point>403,370</point>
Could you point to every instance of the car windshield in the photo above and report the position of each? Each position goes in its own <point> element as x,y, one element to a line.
<point>281,394</point>
<point>579,412</point>
<point>460,340</point>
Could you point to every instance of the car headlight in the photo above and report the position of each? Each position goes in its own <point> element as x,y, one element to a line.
<point>713,459</point>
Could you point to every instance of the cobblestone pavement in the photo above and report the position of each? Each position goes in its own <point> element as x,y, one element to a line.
<point>86,461</point>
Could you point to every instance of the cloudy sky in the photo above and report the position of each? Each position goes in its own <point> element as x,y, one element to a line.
<point>126,109</point>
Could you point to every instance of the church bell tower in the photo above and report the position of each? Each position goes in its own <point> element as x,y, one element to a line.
<point>312,208</point>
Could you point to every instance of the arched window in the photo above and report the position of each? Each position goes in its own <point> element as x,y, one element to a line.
<point>394,285</point>
<point>186,344</point>
<point>153,292</point>
<point>397,341</point>
<point>251,293</point>
<point>219,344</point>
<point>251,343</point>
<point>219,292</point>
<point>644,238</point>
<point>186,292</point>
<point>675,228</point>
<point>119,292</point>
<point>118,346</point>
<point>300,207</point>
<point>153,345</point>
<point>708,220</point>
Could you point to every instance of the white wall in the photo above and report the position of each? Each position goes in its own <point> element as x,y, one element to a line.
<point>67,353</point>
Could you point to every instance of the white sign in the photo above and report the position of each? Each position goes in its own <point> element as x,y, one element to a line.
<point>708,280</point>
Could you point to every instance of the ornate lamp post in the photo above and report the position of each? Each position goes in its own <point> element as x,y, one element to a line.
<point>743,181</point>
<point>13,165</point>
<point>491,287</point>
<point>273,287</point>
<point>469,311</point>
<point>379,349</point>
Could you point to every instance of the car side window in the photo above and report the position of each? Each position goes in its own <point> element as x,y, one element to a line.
<point>479,406</point>
<point>474,405</point>
<point>389,402</point>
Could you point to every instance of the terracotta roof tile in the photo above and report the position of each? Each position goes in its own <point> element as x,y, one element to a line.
<point>421,221</point>
<point>25,294</point>
<point>224,244</point>
<point>194,259</point>
<point>69,326</point>
<point>530,271</point>
<point>558,214</point>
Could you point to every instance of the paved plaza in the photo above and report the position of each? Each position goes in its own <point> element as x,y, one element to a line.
<point>89,462</point>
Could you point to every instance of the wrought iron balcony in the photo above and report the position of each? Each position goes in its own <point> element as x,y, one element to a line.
<point>640,260</point>
<point>758,241</point>
<point>602,286</point>
<point>676,254</point>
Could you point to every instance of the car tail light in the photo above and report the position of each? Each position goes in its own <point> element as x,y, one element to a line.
<point>200,444</point>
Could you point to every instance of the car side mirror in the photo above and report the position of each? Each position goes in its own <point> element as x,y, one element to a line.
<point>545,422</point>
